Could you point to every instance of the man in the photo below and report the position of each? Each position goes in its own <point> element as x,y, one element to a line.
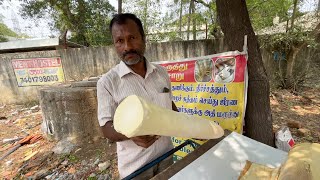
<point>133,75</point>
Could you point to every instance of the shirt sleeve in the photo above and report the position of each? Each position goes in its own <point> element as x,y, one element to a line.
<point>169,86</point>
<point>106,104</point>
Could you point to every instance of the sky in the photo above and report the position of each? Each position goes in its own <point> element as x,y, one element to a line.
<point>12,18</point>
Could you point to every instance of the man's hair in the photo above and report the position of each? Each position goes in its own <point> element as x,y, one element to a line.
<point>122,18</point>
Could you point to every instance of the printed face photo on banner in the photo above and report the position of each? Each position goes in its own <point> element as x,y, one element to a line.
<point>224,70</point>
<point>203,70</point>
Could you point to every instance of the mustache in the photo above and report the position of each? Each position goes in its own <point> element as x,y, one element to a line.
<point>130,52</point>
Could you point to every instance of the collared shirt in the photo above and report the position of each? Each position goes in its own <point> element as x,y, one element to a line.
<point>115,86</point>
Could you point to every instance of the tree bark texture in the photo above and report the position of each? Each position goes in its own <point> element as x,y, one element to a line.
<point>235,23</point>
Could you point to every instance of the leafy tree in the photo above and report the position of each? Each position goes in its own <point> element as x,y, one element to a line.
<point>174,22</point>
<point>182,16</point>
<point>211,15</point>
<point>87,20</point>
<point>185,23</point>
<point>262,12</point>
<point>149,11</point>
<point>289,43</point>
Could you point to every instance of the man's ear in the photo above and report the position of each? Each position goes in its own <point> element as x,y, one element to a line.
<point>144,39</point>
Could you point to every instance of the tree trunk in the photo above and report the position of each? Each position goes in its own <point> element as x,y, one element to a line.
<point>293,14</point>
<point>235,23</point>
<point>189,19</point>
<point>194,22</point>
<point>289,80</point>
<point>145,14</point>
<point>63,37</point>
<point>119,6</point>
<point>180,19</point>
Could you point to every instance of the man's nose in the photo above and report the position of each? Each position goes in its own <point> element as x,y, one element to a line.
<point>128,46</point>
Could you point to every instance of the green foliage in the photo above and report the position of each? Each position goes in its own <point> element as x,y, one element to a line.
<point>87,20</point>
<point>283,42</point>
<point>92,178</point>
<point>3,39</point>
<point>73,158</point>
<point>148,11</point>
<point>5,32</point>
<point>262,12</point>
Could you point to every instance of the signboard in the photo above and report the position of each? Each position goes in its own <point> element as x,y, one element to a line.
<point>212,87</point>
<point>38,71</point>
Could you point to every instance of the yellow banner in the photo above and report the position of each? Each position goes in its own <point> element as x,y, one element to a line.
<point>212,87</point>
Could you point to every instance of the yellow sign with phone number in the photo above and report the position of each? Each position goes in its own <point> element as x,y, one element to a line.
<point>38,71</point>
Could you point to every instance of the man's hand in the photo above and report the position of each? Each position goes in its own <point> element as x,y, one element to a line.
<point>144,141</point>
<point>109,132</point>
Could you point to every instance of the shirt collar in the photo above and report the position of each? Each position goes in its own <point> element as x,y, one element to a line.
<point>124,69</point>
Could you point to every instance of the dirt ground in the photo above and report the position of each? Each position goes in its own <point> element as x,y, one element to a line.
<point>301,107</point>
<point>36,160</point>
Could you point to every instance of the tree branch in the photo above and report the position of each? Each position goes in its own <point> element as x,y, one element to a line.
<point>203,3</point>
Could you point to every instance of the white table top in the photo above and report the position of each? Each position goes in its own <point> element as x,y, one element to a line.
<point>227,159</point>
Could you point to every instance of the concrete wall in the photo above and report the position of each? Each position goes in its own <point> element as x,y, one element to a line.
<point>183,49</point>
<point>306,66</point>
<point>81,63</point>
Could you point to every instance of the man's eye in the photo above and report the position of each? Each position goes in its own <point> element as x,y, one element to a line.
<point>119,41</point>
<point>132,37</point>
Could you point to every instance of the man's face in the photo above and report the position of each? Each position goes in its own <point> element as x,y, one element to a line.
<point>129,44</point>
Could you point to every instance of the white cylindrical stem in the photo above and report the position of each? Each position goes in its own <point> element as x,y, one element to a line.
<point>137,117</point>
